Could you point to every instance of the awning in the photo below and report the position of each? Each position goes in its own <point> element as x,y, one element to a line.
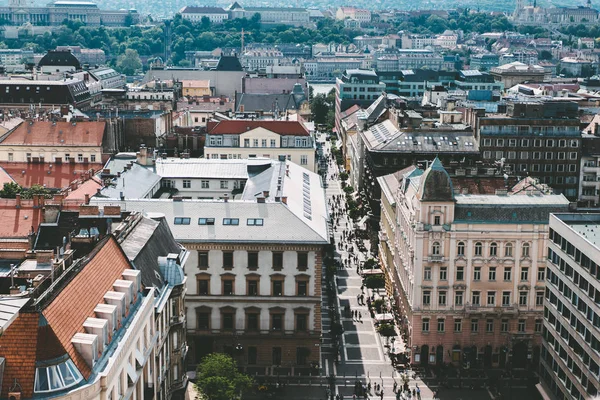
<point>374,271</point>
<point>362,223</point>
<point>385,317</point>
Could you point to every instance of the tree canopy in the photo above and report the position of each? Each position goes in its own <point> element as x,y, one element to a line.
<point>219,379</point>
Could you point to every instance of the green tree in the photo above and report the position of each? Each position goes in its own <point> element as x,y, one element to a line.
<point>219,378</point>
<point>545,55</point>
<point>319,109</point>
<point>36,190</point>
<point>129,62</point>
<point>375,281</point>
<point>10,190</point>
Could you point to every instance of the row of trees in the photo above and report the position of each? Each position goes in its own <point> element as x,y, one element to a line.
<point>184,35</point>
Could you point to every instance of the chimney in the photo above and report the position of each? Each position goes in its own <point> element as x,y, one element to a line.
<point>42,201</point>
<point>266,193</point>
<point>87,198</point>
<point>226,197</point>
<point>18,200</point>
<point>284,199</point>
<point>36,201</point>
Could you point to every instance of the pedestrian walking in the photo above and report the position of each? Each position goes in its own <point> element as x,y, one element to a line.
<point>359,316</point>
<point>381,395</point>
<point>395,387</point>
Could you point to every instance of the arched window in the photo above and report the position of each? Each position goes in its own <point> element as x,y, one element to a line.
<point>478,249</point>
<point>508,250</point>
<point>461,248</point>
<point>435,249</point>
<point>493,250</point>
<point>525,251</point>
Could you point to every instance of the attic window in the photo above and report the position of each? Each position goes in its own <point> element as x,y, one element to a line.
<point>182,221</point>
<point>231,221</point>
<point>206,221</point>
<point>255,222</point>
<point>51,378</point>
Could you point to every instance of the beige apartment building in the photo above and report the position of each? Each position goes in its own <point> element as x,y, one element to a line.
<point>245,139</point>
<point>465,264</point>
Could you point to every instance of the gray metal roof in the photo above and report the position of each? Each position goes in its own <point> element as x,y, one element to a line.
<point>201,168</point>
<point>9,309</point>
<point>148,241</point>
<point>302,218</point>
<point>280,225</point>
<point>386,137</point>
<point>134,183</point>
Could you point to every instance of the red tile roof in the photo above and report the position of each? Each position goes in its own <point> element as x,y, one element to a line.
<point>46,133</point>
<point>236,127</point>
<point>5,177</point>
<point>76,301</point>
<point>18,222</point>
<point>18,345</point>
<point>89,187</point>
<point>37,337</point>
<point>60,176</point>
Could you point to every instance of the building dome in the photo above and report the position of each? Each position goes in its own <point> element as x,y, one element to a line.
<point>436,184</point>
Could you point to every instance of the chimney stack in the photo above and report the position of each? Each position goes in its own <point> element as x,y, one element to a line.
<point>18,200</point>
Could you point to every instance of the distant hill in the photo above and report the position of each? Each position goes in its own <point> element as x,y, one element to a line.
<point>166,8</point>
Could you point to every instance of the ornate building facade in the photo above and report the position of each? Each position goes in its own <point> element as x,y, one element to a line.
<point>21,12</point>
<point>465,268</point>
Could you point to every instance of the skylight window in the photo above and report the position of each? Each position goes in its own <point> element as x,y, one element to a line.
<point>182,221</point>
<point>231,221</point>
<point>255,222</point>
<point>206,221</point>
<point>56,377</point>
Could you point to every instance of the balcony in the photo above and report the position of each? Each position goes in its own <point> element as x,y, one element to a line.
<point>435,259</point>
<point>591,170</point>
<point>590,183</point>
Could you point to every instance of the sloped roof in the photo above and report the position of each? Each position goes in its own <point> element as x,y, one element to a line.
<point>134,183</point>
<point>53,176</point>
<point>229,63</point>
<point>436,184</point>
<point>17,223</point>
<point>60,58</point>
<point>201,168</point>
<point>18,345</point>
<point>202,10</point>
<point>266,102</point>
<point>149,240</point>
<point>59,134</point>
<point>237,127</point>
<point>76,301</point>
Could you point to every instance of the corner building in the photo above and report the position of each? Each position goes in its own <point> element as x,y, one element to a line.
<point>465,266</point>
<point>570,359</point>
<point>254,269</point>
